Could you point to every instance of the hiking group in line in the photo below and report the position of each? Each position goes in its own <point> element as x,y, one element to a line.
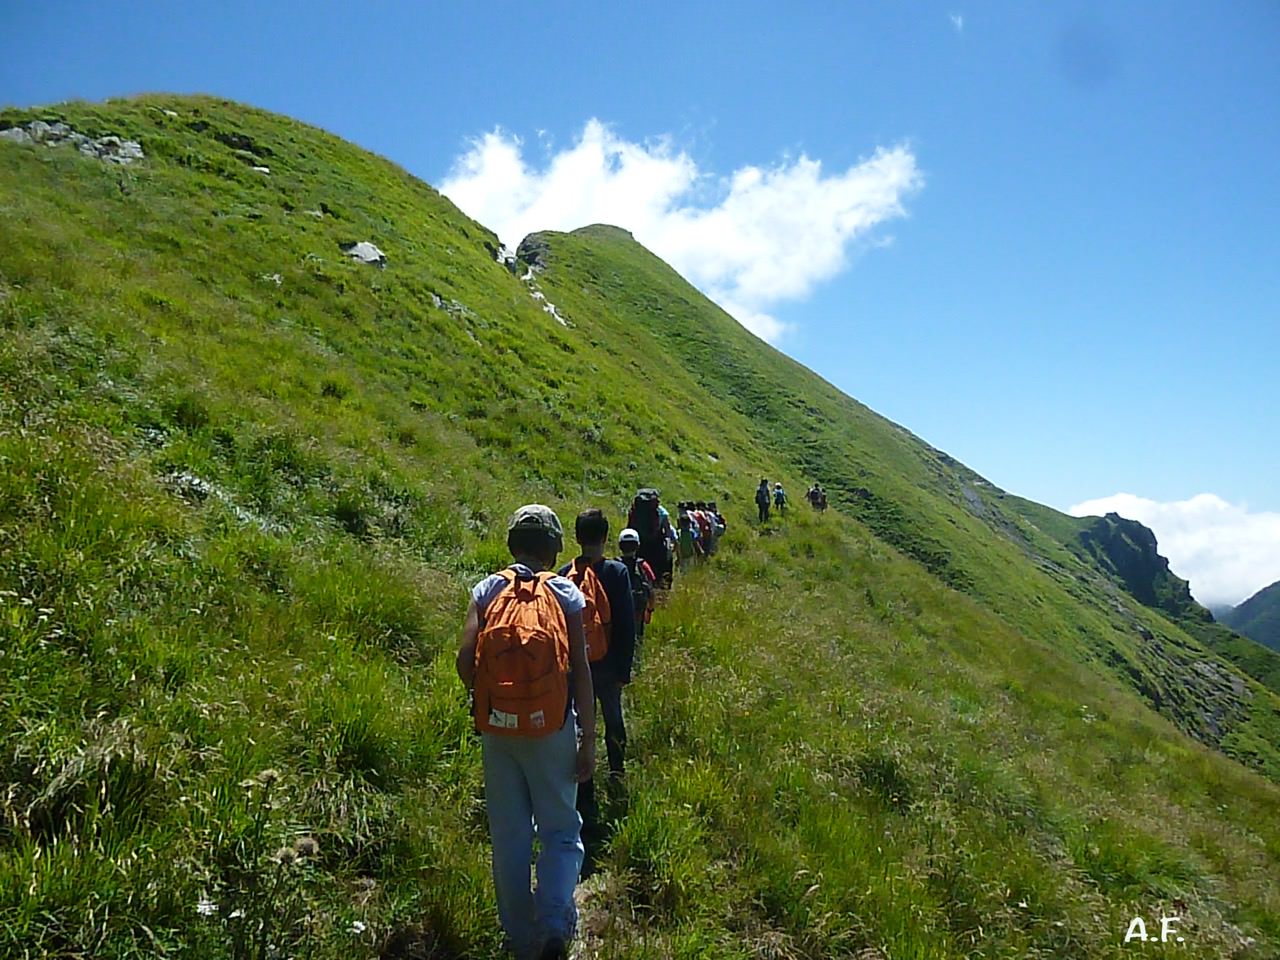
<point>537,648</point>
<point>776,498</point>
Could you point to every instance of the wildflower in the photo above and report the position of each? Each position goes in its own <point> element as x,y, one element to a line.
<point>206,907</point>
<point>358,927</point>
<point>286,856</point>
<point>306,847</point>
<point>268,776</point>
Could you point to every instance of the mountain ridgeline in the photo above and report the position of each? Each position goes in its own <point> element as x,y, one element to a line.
<point>1258,617</point>
<point>266,401</point>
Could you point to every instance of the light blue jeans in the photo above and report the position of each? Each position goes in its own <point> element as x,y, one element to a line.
<point>531,789</point>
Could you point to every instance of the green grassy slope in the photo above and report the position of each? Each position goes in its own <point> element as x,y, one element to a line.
<point>246,482</point>
<point>956,524</point>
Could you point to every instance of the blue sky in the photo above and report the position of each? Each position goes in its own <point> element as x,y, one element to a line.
<point>1071,285</point>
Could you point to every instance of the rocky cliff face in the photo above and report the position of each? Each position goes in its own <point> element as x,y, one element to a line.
<point>1128,550</point>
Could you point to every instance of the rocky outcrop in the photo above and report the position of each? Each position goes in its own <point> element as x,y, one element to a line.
<point>365,252</point>
<point>502,254</point>
<point>534,251</point>
<point>1128,550</point>
<point>110,149</point>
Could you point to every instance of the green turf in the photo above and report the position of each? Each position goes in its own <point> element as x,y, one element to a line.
<point>246,482</point>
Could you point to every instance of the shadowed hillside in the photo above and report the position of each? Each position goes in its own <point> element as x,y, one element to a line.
<point>248,478</point>
<point>1258,617</point>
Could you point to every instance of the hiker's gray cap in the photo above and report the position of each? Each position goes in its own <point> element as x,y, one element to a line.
<point>534,516</point>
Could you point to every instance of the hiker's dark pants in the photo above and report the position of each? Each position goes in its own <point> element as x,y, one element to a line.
<point>764,511</point>
<point>655,552</point>
<point>609,696</point>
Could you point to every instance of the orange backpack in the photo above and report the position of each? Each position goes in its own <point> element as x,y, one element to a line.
<point>598,615</point>
<point>522,660</point>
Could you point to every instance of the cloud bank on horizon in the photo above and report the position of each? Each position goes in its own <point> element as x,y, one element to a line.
<point>1227,552</point>
<point>750,241</point>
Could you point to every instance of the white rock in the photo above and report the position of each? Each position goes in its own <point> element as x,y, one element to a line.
<point>15,135</point>
<point>365,252</point>
<point>266,170</point>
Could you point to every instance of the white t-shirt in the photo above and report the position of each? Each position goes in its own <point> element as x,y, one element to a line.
<point>570,597</point>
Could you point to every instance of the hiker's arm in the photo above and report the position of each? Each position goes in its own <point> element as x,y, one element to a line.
<point>584,697</point>
<point>467,652</point>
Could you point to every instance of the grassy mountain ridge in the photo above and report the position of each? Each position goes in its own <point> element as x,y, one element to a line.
<point>1258,617</point>
<point>1127,552</point>
<point>247,481</point>
<point>921,501</point>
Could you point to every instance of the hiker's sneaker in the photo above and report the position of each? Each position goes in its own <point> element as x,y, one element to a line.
<point>553,949</point>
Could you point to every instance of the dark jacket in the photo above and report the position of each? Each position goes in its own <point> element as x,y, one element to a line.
<point>616,664</point>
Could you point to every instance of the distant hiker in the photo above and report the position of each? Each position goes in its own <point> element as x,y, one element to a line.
<point>686,543</point>
<point>715,528</point>
<point>779,499</point>
<point>812,496</point>
<point>699,514</point>
<point>762,499</point>
<point>523,651</point>
<point>664,578</point>
<point>609,623</point>
<point>720,524</point>
<point>822,500</point>
<point>650,519</point>
<point>643,581</point>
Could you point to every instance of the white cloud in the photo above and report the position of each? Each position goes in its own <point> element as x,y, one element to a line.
<point>1227,551</point>
<point>957,21</point>
<point>750,241</point>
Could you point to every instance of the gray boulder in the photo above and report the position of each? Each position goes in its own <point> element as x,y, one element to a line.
<point>534,251</point>
<point>111,149</point>
<point>364,252</point>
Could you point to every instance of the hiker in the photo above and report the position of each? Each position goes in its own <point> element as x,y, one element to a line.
<point>699,514</point>
<point>643,581</point>
<point>762,499</point>
<point>812,496</point>
<point>779,499</point>
<point>650,519</point>
<point>690,510</point>
<point>523,653</point>
<point>714,529</point>
<point>686,543</point>
<point>822,500</point>
<point>609,623</point>
<point>718,527</point>
<point>664,579</point>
